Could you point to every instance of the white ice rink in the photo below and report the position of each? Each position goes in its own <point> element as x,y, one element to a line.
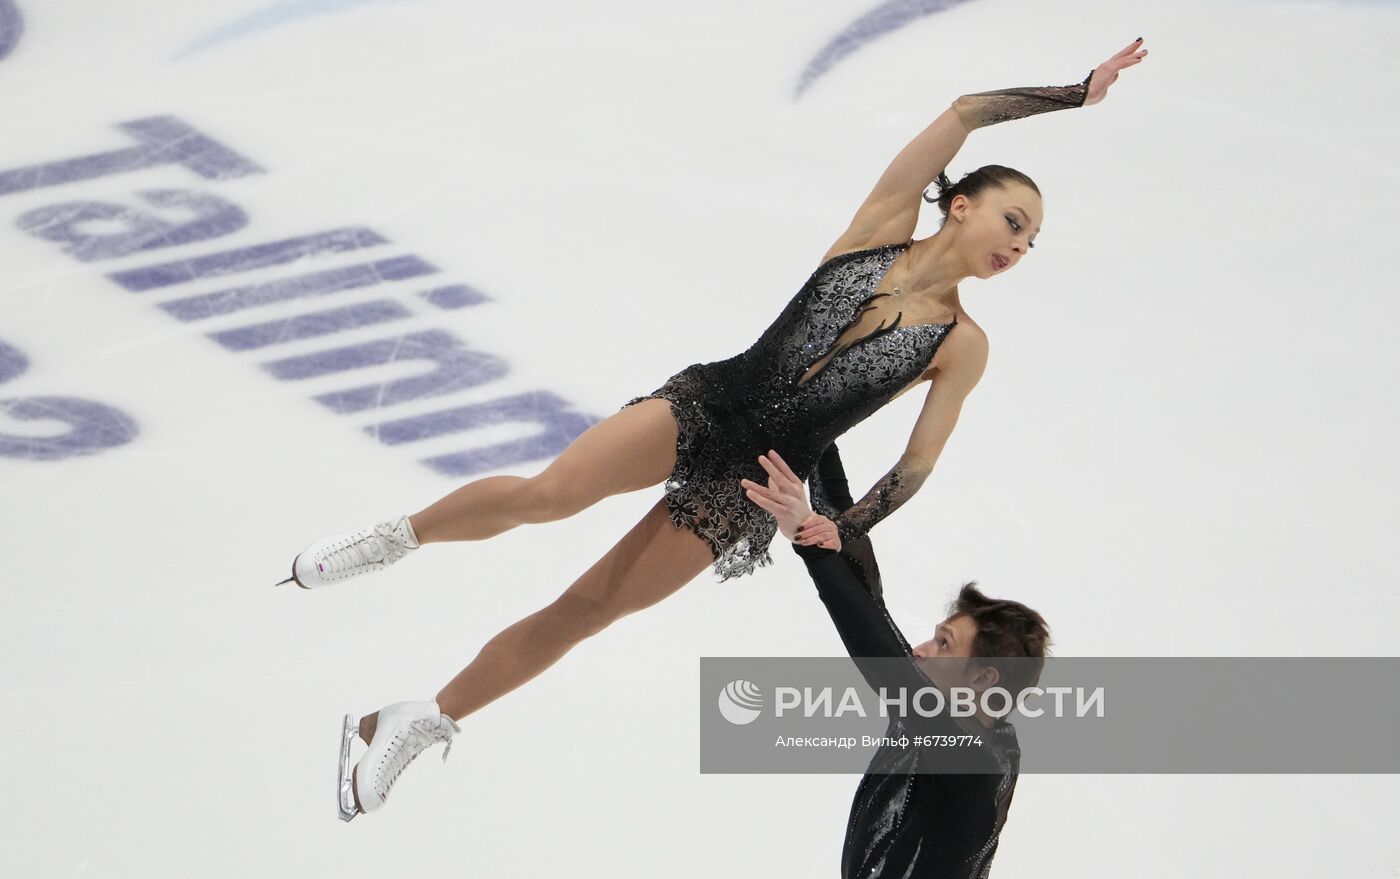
<point>517,216</point>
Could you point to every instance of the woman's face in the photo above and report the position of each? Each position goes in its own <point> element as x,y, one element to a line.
<point>998,227</point>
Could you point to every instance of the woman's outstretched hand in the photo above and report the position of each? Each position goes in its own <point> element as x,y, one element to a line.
<point>785,498</point>
<point>1107,73</point>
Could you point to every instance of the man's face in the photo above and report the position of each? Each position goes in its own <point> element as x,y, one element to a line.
<point>945,657</point>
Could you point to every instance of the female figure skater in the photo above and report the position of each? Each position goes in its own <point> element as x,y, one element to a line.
<point>870,323</point>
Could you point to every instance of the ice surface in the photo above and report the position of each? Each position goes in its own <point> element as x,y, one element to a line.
<point>1183,444</point>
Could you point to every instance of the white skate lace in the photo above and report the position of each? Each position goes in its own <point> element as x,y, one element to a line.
<point>416,736</point>
<point>380,547</point>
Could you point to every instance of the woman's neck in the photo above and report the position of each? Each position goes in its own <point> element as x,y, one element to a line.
<point>932,270</point>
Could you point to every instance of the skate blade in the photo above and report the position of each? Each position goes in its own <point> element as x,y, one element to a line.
<point>345,797</point>
<point>291,579</point>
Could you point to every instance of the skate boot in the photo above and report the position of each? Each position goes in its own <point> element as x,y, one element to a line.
<point>353,553</point>
<point>402,732</point>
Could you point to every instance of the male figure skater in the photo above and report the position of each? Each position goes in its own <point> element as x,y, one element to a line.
<point>909,819</point>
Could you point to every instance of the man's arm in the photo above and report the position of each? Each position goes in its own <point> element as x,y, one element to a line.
<point>872,639</point>
<point>874,642</point>
<point>831,496</point>
<point>862,622</point>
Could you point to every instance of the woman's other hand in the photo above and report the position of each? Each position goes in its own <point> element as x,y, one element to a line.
<point>1107,73</point>
<point>818,530</point>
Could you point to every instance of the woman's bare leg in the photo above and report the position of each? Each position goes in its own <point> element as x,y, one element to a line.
<point>629,450</point>
<point>651,562</point>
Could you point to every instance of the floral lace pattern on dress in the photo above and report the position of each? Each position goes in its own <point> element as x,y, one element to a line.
<point>729,412</point>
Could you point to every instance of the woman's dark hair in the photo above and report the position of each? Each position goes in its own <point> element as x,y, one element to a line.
<point>973,183</point>
<point>1005,629</point>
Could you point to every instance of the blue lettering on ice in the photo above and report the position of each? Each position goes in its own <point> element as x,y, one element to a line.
<point>456,368</point>
<point>297,287</point>
<point>99,230</point>
<point>456,296</point>
<point>246,259</point>
<point>214,217</point>
<point>268,18</point>
<point>11,27</point>
<point>12,362</point>
<point>163,140</point>
<point>306,326</point>
<point>883,19</point>
<point>92,427</point>
<point>557,428</point>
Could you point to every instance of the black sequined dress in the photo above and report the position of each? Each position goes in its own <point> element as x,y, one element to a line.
<point>731,411</point>
<point>769,397</point>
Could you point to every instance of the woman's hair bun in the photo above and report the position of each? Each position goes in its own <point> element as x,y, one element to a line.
<point>973,183</point>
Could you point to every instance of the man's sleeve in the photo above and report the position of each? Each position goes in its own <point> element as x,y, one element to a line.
<point>862,622</point>
<point>873,641</point>
<point>831,496</point>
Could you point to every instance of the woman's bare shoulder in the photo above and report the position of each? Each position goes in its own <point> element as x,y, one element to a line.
<point>963,350</point>
<point>972,332</point>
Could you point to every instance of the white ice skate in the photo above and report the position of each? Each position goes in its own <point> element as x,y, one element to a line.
<point>353,553</point>
<point>402,732</point>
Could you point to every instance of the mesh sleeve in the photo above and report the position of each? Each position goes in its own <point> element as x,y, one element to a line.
<point>831,496</point>
<point>988,108</point>
<point>887,495</point>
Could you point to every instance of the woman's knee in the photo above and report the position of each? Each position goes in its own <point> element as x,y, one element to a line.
<point>576,616</point>
<point>546,498</point>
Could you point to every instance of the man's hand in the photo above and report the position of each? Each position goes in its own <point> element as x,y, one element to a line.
<point>785,498</point>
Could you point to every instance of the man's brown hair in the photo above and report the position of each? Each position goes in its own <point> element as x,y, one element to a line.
<point>1005,629</point>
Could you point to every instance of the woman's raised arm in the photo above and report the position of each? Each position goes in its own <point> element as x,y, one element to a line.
<point>891,211</point>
